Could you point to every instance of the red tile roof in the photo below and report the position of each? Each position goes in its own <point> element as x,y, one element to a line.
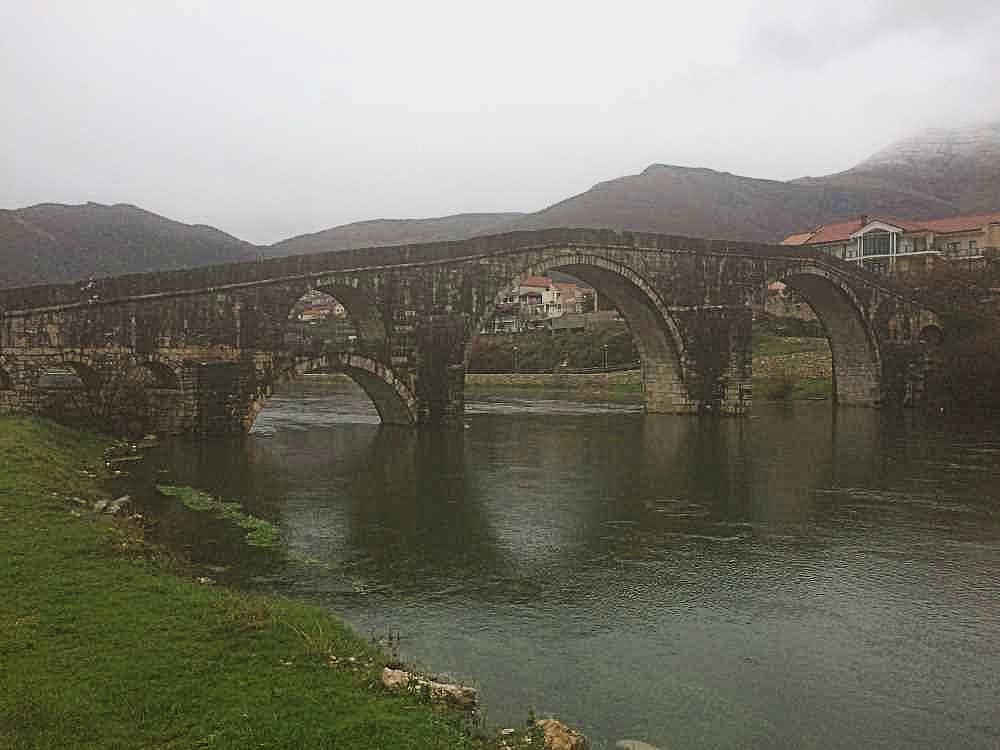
<point>841,231</point>
<point>542,281</point>
<point>960,223</point>
<point>797,239</point>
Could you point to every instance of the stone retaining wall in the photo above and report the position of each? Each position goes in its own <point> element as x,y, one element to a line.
<point>568,381</point>
<point>798,366</point>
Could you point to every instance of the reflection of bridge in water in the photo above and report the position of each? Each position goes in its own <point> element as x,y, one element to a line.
<point>430,497</point>
<point>201,350</point>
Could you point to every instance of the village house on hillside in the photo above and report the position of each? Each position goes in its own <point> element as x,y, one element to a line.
<point>537,303</point>
<point>885,245</point>
<point>315,305</point>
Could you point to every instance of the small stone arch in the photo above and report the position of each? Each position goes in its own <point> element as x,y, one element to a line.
<point>854,346</point>
<point>393,399</point>
<point>654,330</point>
<point>931,335</point>
<point>6,381</point>
<point>69,375</point>
<point>161,375</point>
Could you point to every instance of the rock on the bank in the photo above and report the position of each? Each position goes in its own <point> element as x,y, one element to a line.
<point>395,679</point>
<point>558,736</point>
<point>443,693</point>
<point>120,506</point>
<point>634,745</point>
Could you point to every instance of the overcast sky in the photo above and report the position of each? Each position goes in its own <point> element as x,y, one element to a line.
<point>273,119</point>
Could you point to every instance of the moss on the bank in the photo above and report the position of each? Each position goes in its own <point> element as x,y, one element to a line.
<point>102,650</point>
<point>260,533</point>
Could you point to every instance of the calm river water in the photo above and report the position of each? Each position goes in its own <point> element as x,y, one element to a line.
<point>804,578</point>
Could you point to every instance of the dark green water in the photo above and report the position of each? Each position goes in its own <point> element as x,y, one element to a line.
<point>803,578</point>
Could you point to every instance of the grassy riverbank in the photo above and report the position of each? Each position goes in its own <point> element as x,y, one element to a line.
<point>105,646</point>
<point>791,368</point>
<point>615,386</point>
<point>784,368</point>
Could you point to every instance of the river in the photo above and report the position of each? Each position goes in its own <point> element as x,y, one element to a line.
<point>807,577</point>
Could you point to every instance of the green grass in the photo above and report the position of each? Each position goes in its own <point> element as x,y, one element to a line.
<point>813,389</point>
<point>788,382</point>
<point>102,647</point>
<point>624,392</point>
<point>765,345</point>
<point>779,388</point>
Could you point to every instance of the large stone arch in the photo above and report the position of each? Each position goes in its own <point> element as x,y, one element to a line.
<point>654,330</point>
<point>393,399</point>
<point>854,345</point>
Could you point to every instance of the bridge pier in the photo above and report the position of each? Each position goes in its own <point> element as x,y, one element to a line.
<point>440,382</point>
<point>717,361</point>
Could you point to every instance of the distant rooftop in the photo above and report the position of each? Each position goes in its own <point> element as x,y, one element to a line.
<point>842,231</point>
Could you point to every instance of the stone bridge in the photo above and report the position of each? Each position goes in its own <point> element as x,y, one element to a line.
<point>200,350</point>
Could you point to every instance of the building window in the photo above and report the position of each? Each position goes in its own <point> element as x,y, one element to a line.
<point>953,248</point>
<point>876,266</point>
<point>972,247</point>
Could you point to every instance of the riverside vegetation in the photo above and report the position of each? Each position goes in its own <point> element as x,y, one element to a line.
<point>106,643</point>
<point>791,361</point>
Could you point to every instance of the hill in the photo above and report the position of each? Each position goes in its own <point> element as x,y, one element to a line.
<point>932,174</point>
<point>51,243</point>
<point>935,173</point>
<point>705,203</point>
<point>959,166</point>
<point>381,232</point>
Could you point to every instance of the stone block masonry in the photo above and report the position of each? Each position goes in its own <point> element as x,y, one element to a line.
<point>200,351</point>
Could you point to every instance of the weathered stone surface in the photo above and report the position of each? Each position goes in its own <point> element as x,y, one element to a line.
<point>395,679</point>
<point>558,736</point>
<point>446,693</point>
<point>200,351</point>
<point>119,506</point>
<point>442,693</point>
<point>635,745</point>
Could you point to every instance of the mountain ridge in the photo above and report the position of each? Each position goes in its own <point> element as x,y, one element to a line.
<point>930,174</point>
<point>56,242</point>
<point>395,232</point>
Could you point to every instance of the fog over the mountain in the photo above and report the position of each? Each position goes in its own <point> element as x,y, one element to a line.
<point>270,120</point>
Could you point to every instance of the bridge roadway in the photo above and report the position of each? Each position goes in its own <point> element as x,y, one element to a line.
<point>200,350</point>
